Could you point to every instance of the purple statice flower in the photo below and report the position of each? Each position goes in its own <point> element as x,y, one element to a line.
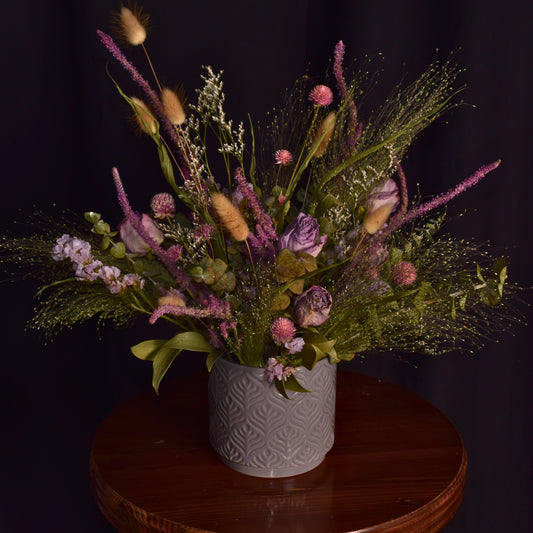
<point>288,371</point>
<point>89,271</point>
<point>87,268</point>
<point>321,95</point>
<point>302,235</point>
<point>77,250</point>
<point>260,216</point>
<point>355,129</point>
<point>276,370</point>
<point>58,251</point>
<point>111,277</point>
<point>313,306</point>
<point>282,157</point>
<point>296,345</point>
<point>133,280</point>
<point>163,205</point>
<point>282,330</point>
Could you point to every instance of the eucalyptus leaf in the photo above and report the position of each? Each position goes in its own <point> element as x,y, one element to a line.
<point>118,250</point>
<point>92,217</point>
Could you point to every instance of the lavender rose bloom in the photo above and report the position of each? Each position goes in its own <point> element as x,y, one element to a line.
<point>132,240</point>
<point>302,235</point>
<point>384,194</point>
<point>312,307</point>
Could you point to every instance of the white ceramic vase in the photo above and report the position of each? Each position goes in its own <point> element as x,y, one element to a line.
<point>256,431</point>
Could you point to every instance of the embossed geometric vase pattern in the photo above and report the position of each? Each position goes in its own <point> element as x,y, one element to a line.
<point>258,432</point>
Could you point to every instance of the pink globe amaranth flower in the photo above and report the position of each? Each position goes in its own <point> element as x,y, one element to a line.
<point>163,205</point>
<point>302,235</point>
<point>313,306</point>
<point>282,330</point>
<point>283,157</point>
<point>404,273</point>
<point>321,95</point>
<point>132,240</point>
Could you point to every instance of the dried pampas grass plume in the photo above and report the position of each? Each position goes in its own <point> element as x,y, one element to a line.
<point>144,118</point>
<point>323,135</point>
<point>230,217</point>
<point>132,25</point>
<point>172,104</point>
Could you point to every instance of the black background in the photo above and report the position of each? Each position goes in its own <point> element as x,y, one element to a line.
<point>64,127</point>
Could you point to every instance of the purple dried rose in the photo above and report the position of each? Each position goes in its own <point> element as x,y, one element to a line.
<point>132,240</point>
<point>302,235</point>
<point>384,193</point>
<point>312,307</point>
<point>382,201</point>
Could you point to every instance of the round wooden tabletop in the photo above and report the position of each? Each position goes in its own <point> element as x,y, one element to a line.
<point>397,465</point>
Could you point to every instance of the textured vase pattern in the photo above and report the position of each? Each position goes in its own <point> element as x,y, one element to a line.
<point>258,432</point>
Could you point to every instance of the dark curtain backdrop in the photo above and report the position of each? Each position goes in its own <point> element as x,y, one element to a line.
<point>64,127</point>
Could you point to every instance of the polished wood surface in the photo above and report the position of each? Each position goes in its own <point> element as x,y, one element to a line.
<point>397,465</point>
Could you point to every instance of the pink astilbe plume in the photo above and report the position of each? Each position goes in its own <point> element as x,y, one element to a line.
<point>444,198</point>
<point>151,95</point>
<point>214,308</point>
<point>180,276</point>
<point>355,127</point>
<point>259,214</point>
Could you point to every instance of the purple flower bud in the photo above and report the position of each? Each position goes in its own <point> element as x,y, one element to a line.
<point>312,307</point>
<point>302,235</point>
<point>132,240</point>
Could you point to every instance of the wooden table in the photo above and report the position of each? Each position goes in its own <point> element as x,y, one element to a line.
<point>397,465</point>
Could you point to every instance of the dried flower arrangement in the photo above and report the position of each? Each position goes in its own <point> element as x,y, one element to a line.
<point>311,250</point>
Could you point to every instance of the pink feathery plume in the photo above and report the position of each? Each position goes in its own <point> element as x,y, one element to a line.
<point>355,128</point>
<point>259,214</point>
<point>151,95</point>
<point>444,198</point>
<point>136,223</point>
<point>181,310</point>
